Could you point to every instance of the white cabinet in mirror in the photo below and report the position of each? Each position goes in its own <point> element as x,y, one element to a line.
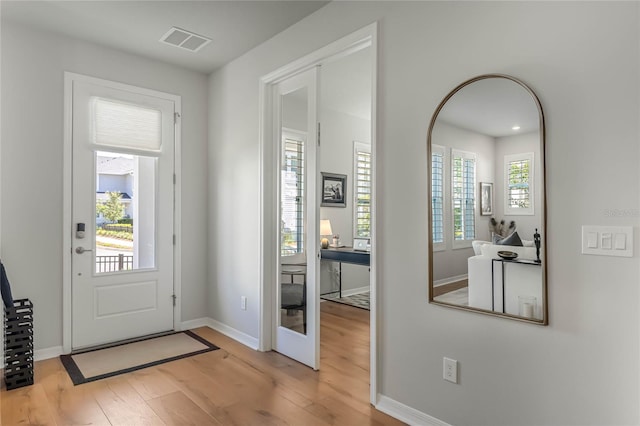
<point>487,226</point>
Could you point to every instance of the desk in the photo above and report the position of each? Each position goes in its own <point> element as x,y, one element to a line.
<point>344,255</point>
<point>502,262</point>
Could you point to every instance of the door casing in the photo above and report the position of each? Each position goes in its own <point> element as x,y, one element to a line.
<point>69,78</point>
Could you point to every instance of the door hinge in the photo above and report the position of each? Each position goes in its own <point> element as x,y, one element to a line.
<point>175,178</point>
<point>176,115</point>
<point>174,239</point>
<point>318,133</point>
<point>173,296</point>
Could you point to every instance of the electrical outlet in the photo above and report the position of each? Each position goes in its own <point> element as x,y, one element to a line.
<point>450,370</point>
<point>243,303</point>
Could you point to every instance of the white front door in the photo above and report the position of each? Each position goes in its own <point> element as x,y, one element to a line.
<point>297,316</point>
<point>122,211</point>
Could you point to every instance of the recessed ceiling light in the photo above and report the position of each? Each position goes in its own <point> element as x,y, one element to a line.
<point>515,127</point>
<point>185,39</point>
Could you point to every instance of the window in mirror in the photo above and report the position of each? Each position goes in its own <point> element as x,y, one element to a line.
<point>292,196</point>
<point>362,190</point>
<point>518,170</point>
<point>463,181</point>
<point>437,196</point>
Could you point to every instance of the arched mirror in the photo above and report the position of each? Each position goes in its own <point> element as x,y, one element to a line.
<point>487,232</point>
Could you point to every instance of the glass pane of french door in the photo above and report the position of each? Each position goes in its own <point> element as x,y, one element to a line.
<point>125,212</point>
<point>293,263</point>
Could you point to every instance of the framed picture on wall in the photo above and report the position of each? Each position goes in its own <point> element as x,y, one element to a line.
<point>334,190</point>
<point>486,198</point>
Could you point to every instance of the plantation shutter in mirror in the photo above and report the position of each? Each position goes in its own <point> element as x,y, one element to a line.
<point>463,166</point>
<point>437,194</point>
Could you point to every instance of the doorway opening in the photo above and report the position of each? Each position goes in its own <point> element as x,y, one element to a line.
<point>361,44</point>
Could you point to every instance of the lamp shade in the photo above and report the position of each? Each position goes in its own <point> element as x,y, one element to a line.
<point>325,227</point>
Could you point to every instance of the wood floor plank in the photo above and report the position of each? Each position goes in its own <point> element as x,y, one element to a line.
<point>210,395</point>
<point>235,385</point>
<point>150,383</point>
<point>26,406</point>
<point>272,410</point>
<point>122,404</point>
<point>177,409</point>
<point>337,412</point>
<point>70,404</point>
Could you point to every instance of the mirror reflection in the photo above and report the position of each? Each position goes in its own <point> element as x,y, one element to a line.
<point>293,269</point>
<point>487,224</point>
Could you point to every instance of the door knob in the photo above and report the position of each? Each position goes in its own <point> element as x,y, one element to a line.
<point>81,250</point>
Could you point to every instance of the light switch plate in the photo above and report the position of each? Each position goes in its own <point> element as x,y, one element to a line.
<point>609,240</point>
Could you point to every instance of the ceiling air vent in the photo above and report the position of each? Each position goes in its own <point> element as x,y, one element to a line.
<point>185,39</point>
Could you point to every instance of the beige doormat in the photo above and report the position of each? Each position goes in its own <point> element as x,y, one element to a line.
<point>102,363</point>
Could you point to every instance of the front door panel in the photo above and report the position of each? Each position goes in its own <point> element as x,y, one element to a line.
<point>122,209</point>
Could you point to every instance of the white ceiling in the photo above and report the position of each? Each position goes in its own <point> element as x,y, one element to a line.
<point>492,107</point>
<point>136,26</point>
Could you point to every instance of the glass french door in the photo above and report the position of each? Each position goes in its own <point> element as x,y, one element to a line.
<point>297,300</point>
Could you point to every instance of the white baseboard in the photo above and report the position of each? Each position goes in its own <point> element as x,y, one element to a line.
<point>241,337</point>
<point>358,290</point>
<point>450,280</point>
<point>404,413</point>
<point>196,323</point>
<point>47,353</point>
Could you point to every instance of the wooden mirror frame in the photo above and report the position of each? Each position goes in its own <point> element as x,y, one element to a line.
<point>543,207</point>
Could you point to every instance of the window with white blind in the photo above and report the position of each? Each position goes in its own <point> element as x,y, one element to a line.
<point>518,185</point>
<point>437,196</point>
<point>292,194</point>
<point>119,124</point>
<point>463,183</point>
<point>362,190</point>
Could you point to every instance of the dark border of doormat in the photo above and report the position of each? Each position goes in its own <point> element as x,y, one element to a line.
<point>78,378</point>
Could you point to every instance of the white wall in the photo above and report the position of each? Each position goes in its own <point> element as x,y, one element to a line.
<point>33,65</point>
<point>582,60</point>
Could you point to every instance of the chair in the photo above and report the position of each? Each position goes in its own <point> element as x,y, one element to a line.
<point>293,295</point>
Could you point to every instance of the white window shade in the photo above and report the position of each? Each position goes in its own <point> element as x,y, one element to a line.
<point>118,124</point>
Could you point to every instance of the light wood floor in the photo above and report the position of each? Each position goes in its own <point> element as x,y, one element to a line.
<point>231,386</point>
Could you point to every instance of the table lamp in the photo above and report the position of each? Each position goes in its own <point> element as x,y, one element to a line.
<point>325,229</point>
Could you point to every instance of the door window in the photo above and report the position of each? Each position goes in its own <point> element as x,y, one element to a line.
<point>125,212</point>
